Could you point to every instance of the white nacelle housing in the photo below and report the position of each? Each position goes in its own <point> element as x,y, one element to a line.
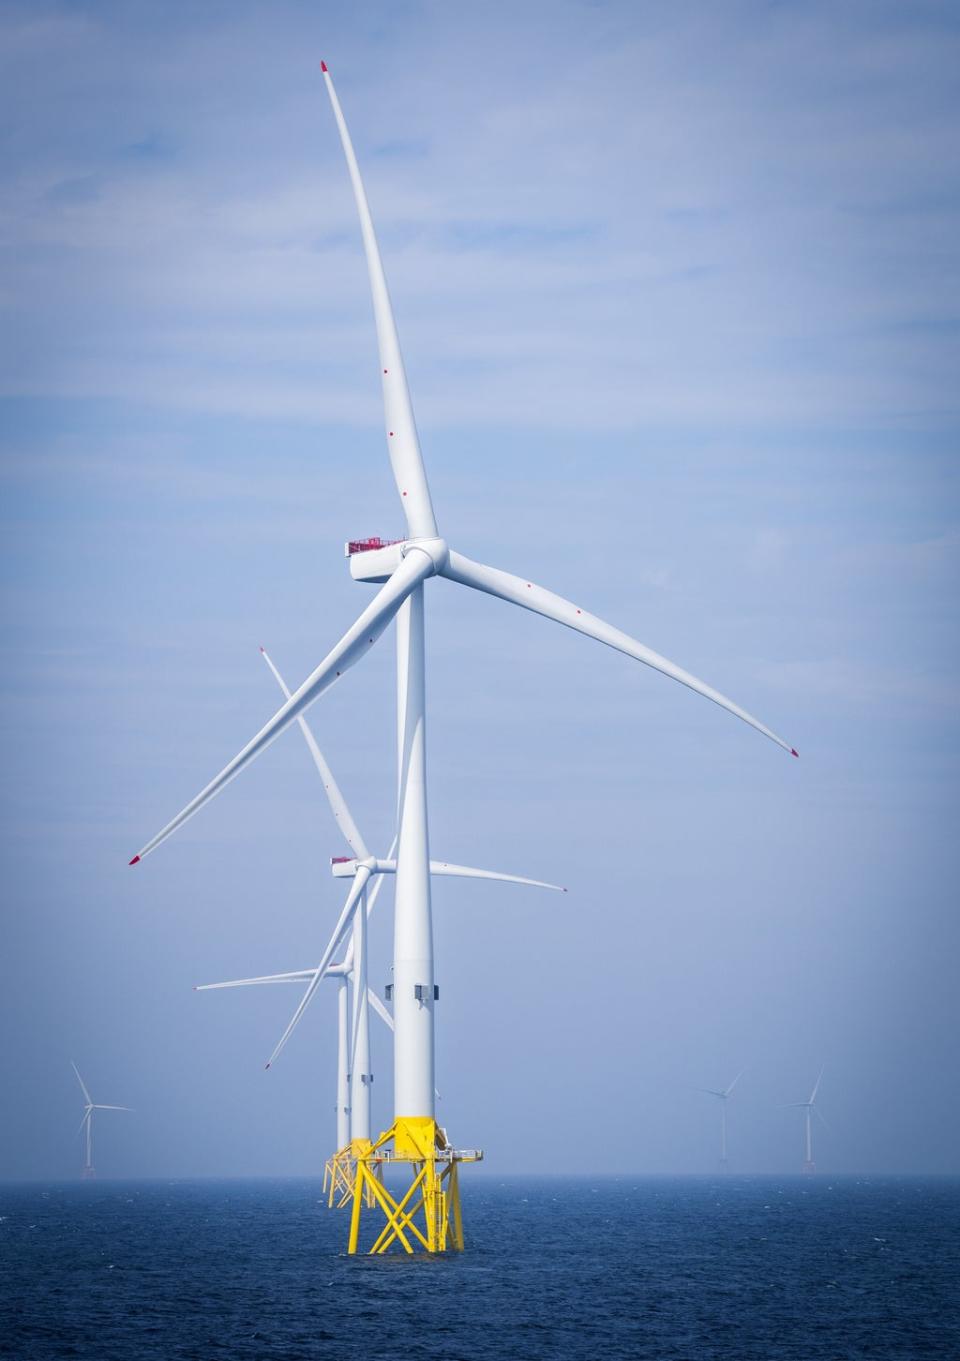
<point>343,868</point>
<point>373,559</point>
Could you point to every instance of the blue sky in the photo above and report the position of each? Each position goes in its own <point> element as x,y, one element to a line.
<point>678,293</point>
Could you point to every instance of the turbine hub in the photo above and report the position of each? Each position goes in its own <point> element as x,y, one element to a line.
<point>435,549</point>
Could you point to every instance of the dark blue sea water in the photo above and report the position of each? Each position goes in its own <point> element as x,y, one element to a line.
<point>692,1269</point>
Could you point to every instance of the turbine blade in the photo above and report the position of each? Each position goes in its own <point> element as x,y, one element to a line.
<point>531,597</point>
<point>379,1008</point>
<point>820,1113</point>
<point>343,922</point>
<point>816,1088</point>
<point>338,804</point>
<point>442,867</point>
<point>83,1088</point>
<point>298,976</point>
<point>86,1117</point>
<point>99,1107</point>
<point>375,618</point>
<point>729,1089</point>
<point>403,444</point>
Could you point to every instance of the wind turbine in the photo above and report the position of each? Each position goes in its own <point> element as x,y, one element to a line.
<point>808,1107</point>
<point>86,1124</point>
<point>402,568</point>
<point>723,1097</point>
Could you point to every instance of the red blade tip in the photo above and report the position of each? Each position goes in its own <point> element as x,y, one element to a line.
<point>261,648</point>
<point>794,752</point>
<point>265,1067</point>
<point>135,860</point>
<point>323,66</point>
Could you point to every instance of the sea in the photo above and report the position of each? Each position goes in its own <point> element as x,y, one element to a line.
<point>689,1269</point>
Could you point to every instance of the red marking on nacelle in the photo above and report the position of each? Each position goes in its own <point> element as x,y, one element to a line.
<point>135,860</point>
<point>340,859</point>
<point>391,434</point>
<point>369,545</point>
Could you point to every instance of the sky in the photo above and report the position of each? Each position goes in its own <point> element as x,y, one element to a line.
<point>677,286</point>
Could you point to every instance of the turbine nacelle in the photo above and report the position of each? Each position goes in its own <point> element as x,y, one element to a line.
<point>345,866</point>
<point>376,559</point>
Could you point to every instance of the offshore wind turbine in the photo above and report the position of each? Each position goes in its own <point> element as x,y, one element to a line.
<point>402,568</point>
<point>723,1098</point>
<point>808,1107</point>
<point>86,1124</point>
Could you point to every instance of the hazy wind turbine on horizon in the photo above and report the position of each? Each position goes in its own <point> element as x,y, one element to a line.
<point>86,1124</point>
<point>723,1097</point>
<point>808,1107</point>
<point>401,569</point>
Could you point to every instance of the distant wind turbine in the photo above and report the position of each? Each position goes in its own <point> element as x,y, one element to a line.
<point>86,1124</point>
<point>808,1107</point>
<point>723,1097</point>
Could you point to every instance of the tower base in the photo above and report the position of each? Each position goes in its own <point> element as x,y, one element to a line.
<point>809,1167</point>
<point>340,1172</point>
<point>338,1177</point>
<point>88,1174</point>
<point>427,1217</point>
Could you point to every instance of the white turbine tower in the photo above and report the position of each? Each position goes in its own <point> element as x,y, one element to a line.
<point>403,568</point>
<point>86,1124</point>
<point>723,1098</point>
<point>808,1107</point>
